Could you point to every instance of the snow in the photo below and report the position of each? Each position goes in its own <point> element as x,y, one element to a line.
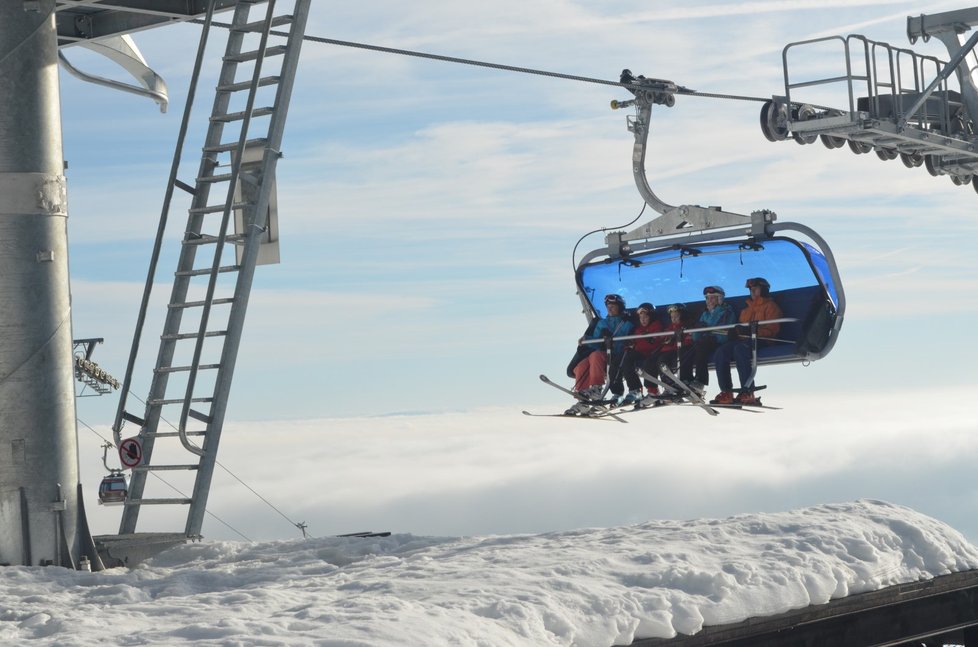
<point>591,587</point>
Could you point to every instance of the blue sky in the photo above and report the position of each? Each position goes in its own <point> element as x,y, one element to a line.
<point>428,212</point>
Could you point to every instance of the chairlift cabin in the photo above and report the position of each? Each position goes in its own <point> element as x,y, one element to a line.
<point>673,257</point>
<point>113,490</point>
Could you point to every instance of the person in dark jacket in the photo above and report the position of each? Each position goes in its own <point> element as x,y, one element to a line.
<point>759,307</point>
<point>696,360</point>
<point>591,372</point>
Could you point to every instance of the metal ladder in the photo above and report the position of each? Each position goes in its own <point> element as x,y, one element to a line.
<point>209,298</point>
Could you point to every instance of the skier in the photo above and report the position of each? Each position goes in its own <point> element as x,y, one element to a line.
<point>639,352</point>
<point>591,371</point>
<point>759,307</point>
<point>697,358</point>
<point>668,351</point>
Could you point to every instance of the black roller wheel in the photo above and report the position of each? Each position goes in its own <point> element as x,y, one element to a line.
<point>886,154</point>
<point>932,165</point>
<point>911,160</point>
<point>773,122</point>
<point>830,141</point>
<point>804,112</point>
<point>859,148</point>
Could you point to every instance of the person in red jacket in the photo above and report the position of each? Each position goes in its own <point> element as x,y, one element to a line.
<point>759,307</point>
<point>640,351</point>
<point>666,353</point>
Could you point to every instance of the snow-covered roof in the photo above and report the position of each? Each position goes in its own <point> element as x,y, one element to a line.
<point>595,587</point>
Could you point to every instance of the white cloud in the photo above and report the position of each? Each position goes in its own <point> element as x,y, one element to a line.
<point>502,472</point>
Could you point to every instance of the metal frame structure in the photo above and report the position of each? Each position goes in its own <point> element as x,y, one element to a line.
<point>897,102</point>
<point>86,21</point>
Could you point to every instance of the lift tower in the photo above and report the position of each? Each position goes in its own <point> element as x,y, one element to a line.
<point>42,517</point>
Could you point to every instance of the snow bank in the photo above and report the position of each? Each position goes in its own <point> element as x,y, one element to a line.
<point>592,587</point>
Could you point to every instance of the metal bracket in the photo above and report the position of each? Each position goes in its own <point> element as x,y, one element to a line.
<point>689,219</point>
<point>123,51</point>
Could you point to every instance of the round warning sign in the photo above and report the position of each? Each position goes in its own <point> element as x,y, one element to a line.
<point>130,452</point>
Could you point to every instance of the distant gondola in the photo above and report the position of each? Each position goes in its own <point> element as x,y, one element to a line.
<point>113,490</point>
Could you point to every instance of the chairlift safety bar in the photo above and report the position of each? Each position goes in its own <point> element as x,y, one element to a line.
<point>683,331</point>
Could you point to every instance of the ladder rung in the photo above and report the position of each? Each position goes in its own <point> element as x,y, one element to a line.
<point>163,468</point>
<point>254,54</point>
<point>198,304</point>
<point>192,335</point>
<point>178,369</point>
<point>259,25</point>
<point>244,85</point>
<point>224,148</point>
<point>217,208</point>
<point>238,116</point>
<point>226,177</point>
<point>157,403</point>
<point>210,240</point>
<point>204,271</point>
<point>159,501</point>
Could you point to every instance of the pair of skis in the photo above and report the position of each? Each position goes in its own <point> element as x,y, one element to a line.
<point>600,409</point>
<point>675,392</point>
<point>696,399</point>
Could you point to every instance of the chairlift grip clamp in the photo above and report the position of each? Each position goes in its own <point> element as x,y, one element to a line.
<point>760,222</point>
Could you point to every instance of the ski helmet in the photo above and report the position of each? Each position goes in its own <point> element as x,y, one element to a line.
<point>760,282</point>
<point>646,307</point>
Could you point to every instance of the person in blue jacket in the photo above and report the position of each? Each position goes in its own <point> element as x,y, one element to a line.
<point>695,365</point>
<point>591,371</point>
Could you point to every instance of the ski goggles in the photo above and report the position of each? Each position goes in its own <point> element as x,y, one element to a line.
<point>713,289</point>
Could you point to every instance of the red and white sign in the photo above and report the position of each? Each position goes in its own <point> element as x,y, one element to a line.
<point>130,452</point>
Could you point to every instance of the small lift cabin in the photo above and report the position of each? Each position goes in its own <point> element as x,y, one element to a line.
<point>673,257</point>
<point>114,488</point>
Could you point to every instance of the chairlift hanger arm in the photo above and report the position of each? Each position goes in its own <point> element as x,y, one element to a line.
<point>673,219</point>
